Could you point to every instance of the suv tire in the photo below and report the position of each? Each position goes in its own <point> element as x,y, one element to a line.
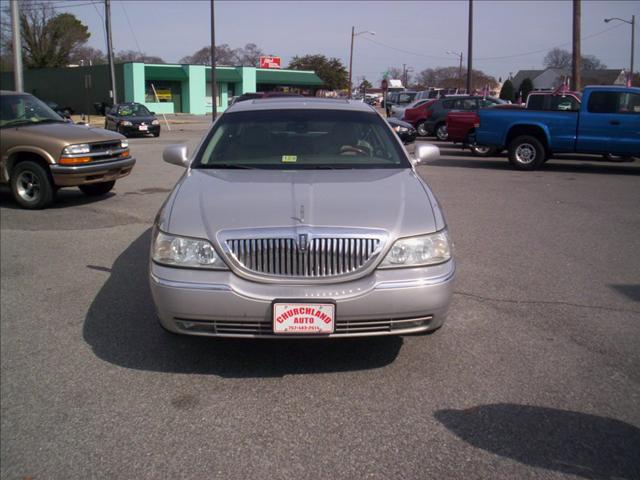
<point>97,189</point>
<point>31,185</point>
<point>526,153</point>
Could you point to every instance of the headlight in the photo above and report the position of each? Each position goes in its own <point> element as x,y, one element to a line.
<point>419,251</point>
<point>124,143</point>
<point>155,122</point>
<point>185,252</point>
<point>400,129</point>
<point>126,123</point>
<point>77,149</point>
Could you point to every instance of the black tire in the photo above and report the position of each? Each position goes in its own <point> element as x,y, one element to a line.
<point>421,128</point>
<point>526,153</point>
<point>31,185</point>
<point>156,134</point>
<point>97,189</point>
<point>617,158</point>
<point>440,131</point>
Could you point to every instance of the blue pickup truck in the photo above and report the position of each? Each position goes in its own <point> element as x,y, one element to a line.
<point>607,123</point>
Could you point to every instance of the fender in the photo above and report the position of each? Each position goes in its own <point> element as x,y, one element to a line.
<point>527,124</point>
<point>7,165</point>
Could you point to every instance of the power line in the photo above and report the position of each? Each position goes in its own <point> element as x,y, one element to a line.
<point>130,27</point>
<point>504,57</point>
<point>56,7</point>
<point>549,48</point>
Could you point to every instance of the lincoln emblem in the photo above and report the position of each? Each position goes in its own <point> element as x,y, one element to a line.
<point>303,242</point>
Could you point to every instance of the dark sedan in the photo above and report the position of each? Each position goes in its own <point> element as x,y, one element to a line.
<point>132,118</point>
<point>404,130</point>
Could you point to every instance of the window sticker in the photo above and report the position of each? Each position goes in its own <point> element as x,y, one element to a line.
<point>289,158</point>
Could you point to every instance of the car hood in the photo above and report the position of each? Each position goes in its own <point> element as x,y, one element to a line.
<point>208,201</point>
<point>66,133</point>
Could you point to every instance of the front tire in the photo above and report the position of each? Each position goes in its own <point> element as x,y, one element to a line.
<point>31,185</point>
<point>97,189</point>
<point>421,128</point>
<point>526,153</point>
<point>480,151</point>
<point>441,132</point>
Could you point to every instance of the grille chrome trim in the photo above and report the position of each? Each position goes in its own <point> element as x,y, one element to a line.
<point>274,253</point>
<point>263,328</point>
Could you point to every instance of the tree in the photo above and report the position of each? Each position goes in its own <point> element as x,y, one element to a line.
<point>559,58</point>
<point>449,77</point>
<point>591,62</point>
<point>365,85</point>
<point>249,56</point>
<point>125,56</point>
<point>225,55</point>
<point>87,56</point>
<point>507,92</point>
<point>48,39</point>
<point>525,88</point>
<point>394,73</point>
<point>330,70</point>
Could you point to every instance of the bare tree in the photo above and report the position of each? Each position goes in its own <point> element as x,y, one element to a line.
<point>125,56</point>
<point>559,58</point>
<point>87,56</point>
<point>225,55</point>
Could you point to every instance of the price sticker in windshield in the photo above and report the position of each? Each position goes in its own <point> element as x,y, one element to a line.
<point>289,158</point>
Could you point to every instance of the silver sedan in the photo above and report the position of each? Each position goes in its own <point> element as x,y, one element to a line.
<point>300,217</point>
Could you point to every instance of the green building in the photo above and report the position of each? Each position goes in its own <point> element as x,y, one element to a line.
<point>163,88</point>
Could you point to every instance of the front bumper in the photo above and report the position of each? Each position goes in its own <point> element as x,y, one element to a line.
<point>74,175</point>
<point>219,303</point>
<point>135,130</point>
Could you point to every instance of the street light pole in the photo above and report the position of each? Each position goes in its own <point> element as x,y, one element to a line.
<point>460,69</point>
<point>633,38</point>
<point>353,35</point>
<point>17,47</point>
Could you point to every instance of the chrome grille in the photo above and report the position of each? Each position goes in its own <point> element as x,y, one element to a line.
<point>322,257</point>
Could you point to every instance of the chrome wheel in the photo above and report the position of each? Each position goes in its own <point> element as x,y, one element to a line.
<point>482,150</point>
<point>422,129</point>
<point>28,186</point>
<point>525,153</point>
<point>441,132</point>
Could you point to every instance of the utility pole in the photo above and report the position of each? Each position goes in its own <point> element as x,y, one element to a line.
<point>353,34</point>
<point>17,47</point>
<point>633,41</point>
<point>470,49</point>
<point>404,75</point>
<point>214,85</point>
<point>107,17</point>
<point>576,66</point>
<point>460,73</point>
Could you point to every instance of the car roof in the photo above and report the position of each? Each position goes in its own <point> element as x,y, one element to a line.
<point>313,103</point>
<point>12,92</point>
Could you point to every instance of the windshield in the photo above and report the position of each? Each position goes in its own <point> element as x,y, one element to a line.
<point>25,109</point>
<point>133,111</point>
<point>301,139</point>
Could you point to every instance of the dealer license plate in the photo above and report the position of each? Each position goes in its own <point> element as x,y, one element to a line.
<point>303,318</point>
<point>143,128</point>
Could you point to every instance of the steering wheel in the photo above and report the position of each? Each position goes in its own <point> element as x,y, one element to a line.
<point>356,150</point>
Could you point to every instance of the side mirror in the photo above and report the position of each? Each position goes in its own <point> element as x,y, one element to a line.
<point>425,153</point>
<point>176,155</point>
<point>153,113</point>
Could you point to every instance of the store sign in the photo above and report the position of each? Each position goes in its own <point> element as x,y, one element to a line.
<point>269,62</point>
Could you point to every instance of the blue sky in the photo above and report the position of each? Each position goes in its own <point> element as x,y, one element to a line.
<point>424,29</point>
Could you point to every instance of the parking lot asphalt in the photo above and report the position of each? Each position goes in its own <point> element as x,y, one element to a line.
<point>536,373</point>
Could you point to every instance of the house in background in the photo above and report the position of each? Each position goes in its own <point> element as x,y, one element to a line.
<point>552,78</point>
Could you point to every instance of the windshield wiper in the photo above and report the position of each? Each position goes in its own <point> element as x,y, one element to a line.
<point>226,165</point>
<point>327,167</point>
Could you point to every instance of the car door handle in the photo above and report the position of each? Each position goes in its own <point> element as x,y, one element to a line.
<point>614,122</point>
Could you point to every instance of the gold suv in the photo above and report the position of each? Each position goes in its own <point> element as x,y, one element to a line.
<point>40,152</point>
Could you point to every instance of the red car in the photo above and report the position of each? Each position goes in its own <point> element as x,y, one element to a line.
<point>461,126</point>
<point>417,116</point>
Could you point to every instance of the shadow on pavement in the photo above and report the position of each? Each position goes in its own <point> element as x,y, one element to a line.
<point>121,328</point>
<point>631,291</point>
<point>572,443</point>
<point>65,197</point>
